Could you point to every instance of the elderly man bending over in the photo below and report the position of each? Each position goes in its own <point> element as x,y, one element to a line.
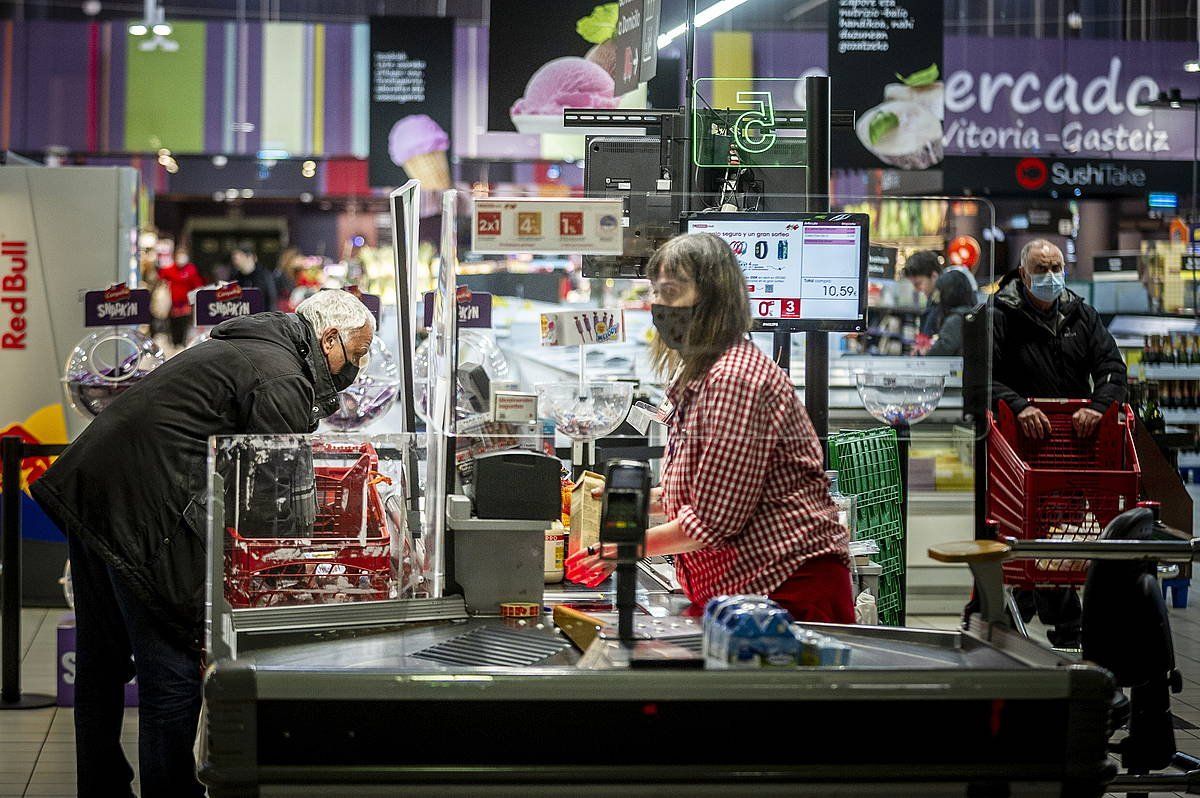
<point>129,494</point>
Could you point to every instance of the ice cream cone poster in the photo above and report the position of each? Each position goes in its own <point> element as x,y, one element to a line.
<point>412,76</point>
<point>887,65</point>
<point>578,55</point>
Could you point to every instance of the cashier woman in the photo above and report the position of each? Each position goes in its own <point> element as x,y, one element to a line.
<point>744,497</point>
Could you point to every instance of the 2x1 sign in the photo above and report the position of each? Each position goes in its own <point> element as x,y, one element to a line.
<point>116,306</point>
<point>474,310</point>
<point>562,227</point>
<point>215,305</point>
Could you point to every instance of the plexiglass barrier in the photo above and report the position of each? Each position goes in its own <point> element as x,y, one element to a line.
<point>576,331</point>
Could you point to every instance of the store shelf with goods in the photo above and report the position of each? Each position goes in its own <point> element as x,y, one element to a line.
<point>900,310</point>
<point>1186,415</point>
<point>1171,372</point>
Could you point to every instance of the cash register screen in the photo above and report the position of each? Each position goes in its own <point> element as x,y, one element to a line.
<point>803,271</point>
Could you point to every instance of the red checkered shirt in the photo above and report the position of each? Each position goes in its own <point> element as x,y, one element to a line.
<point>745,475</point>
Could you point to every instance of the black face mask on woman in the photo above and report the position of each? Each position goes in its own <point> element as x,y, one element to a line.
<point>349,373</point>
<point>672,324</point>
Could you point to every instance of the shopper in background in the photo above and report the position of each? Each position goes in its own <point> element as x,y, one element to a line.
<point>922,269</point>
<point>130,494</point>
<point>744,490</point>
<point>183,278</point>
<point>1048,343</point>
<point>251,274</point>
<point>955,294</point>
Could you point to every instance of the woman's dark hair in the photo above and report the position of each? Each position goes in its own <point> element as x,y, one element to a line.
<point>955,290</point>
<point>923,263</point>
<point>722,315</point>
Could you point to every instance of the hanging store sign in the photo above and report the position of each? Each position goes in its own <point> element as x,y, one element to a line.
<point>886,60</point>
<point>563,227</point>
<point>1115,262</point>
<point>118,304</point>
<point>881,261</point>
<point>215,305</point>
<point>412,77</point>
<point>1063,177</point>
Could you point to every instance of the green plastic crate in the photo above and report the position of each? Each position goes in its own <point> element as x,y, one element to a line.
<point>868,466</point>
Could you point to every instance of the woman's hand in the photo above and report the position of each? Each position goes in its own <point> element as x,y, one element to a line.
<point>587,567</point>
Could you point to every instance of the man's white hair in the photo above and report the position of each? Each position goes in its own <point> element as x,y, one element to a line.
<point>335,309</point>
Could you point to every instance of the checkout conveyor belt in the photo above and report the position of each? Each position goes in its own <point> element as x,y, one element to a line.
<point>918,712</point>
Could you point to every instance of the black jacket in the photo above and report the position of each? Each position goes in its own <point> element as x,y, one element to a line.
<point>133,486</point>
<point>1067,354</point>
<point>956,297</point>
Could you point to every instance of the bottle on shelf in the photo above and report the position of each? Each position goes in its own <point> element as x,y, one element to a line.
<point>1195,358</point>
<point>1153,417</point>
<point>1147,351</point>
<point>1168,354</point>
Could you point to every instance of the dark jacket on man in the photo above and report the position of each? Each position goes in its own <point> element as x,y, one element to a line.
<point>1065,353</point>
<point>133,486</point>
<point>956,297</point>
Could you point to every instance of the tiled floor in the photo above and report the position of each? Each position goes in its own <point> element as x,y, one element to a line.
<point>37,747</point>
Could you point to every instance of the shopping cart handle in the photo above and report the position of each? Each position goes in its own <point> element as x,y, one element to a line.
<point>1158,550</point>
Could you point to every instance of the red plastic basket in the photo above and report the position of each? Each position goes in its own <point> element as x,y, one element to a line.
<point>1061,487</point>
<point>348,556</point>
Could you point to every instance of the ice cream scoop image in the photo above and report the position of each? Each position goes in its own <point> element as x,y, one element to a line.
<point>931,96</point>
<point>419,144</point>
<point>568,82</point>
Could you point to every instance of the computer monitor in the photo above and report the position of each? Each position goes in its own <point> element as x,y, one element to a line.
<point>804,271</point>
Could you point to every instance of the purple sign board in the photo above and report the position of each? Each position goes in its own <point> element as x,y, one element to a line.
<point>66,666</point>
<point>473,311</point>
<point>1059,98</point>
<point>116,306</point>
<point>372,301</point>
<point>215,305</point>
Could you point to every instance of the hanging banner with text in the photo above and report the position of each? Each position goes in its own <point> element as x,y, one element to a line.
<point>412,76</point>
<point>886,59</point>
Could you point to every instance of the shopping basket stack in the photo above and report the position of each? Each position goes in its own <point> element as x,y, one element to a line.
<point>868,468</point>
<point>1062,487</point>
<point>346,558</point>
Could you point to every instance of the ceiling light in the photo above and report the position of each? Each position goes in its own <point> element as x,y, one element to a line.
<point>219,161</point>
<point>717,9</point>
<point>1192,65</point>
<point>138,29</point>
<point>162,29</point>
<point>247,193</point>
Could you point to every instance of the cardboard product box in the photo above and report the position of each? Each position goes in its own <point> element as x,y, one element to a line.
<point>66,666</point>
<point>585,512</point>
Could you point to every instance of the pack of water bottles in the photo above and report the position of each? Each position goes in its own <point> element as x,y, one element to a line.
<point>755,632</point>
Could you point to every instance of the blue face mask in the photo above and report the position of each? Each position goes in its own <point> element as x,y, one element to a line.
<point>1048,286</point>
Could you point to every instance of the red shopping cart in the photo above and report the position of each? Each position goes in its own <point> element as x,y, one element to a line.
<point>1061,487</point>
<point>347,557</point>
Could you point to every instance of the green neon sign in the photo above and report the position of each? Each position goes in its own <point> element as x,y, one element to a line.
<point>729,120</point>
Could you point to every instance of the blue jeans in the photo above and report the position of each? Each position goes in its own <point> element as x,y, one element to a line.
<point>116,638</point>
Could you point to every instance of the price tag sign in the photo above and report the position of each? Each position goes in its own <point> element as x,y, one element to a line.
<point>474,309</point>
<point>513,407</point>
<point>558,226</point>
<point>215,305</point>
<point>119,304</point>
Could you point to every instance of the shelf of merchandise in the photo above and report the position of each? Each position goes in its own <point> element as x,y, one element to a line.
<point>1171,372</point>
<point>1185,415</point>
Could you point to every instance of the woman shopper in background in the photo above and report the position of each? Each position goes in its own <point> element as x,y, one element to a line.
<point>743,489</point>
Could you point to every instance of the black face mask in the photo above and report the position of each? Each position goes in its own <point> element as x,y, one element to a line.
<point>672,324</point>
<point>349,373</point>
